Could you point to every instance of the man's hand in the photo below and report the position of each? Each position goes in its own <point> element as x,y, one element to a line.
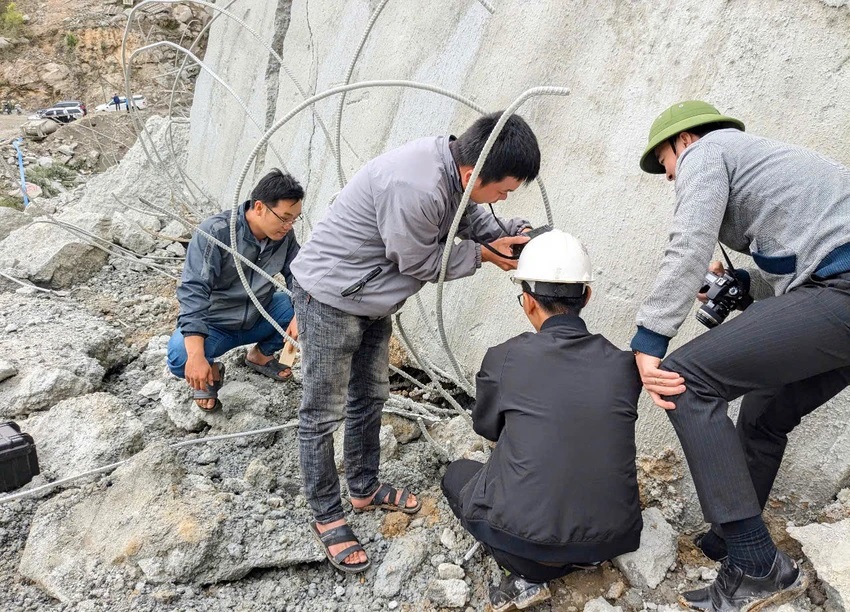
<point>199,373</point>
<point>658,382</point>
<point>292,329</point>
<point>715,267</point>
<point>503,245</point>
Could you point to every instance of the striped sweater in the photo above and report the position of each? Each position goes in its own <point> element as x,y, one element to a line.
<point>786,206</point>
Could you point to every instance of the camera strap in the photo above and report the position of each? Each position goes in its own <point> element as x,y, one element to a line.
<point>726,256</point>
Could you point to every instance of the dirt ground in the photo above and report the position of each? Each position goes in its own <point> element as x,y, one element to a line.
<point>10,125</point>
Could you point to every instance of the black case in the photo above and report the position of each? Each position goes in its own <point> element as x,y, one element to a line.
<point>18,461</point>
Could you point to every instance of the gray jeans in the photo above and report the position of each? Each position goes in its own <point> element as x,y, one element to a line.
<point>344,364</point>
<point>787,356</point>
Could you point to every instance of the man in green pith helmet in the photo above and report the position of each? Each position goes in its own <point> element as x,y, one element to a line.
<point>789,353</point>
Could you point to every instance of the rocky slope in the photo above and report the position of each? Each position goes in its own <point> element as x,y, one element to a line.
<point>71,49</point>
<point>222,524</point>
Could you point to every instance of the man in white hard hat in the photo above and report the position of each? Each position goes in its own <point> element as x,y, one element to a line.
<point>560,488</point>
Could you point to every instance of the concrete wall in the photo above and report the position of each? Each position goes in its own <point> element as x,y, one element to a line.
<point>783,67</point>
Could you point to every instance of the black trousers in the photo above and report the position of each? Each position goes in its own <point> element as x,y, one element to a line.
<point>786,355</point>
<point>457,475</point>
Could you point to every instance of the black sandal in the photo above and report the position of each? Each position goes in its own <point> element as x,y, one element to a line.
<point>384,500</point>
<point>211,392</point>
<point>339,535</point>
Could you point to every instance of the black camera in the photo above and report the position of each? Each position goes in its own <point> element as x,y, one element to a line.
<point>516,249</point>
<point>723,295</point>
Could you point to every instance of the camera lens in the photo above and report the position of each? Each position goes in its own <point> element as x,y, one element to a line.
<point>708,317</point>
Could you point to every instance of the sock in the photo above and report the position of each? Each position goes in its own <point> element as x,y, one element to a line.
<point>750,547</point>
<point>713,545</point>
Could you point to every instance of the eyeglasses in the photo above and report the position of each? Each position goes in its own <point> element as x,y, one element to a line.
<point>519,298</point>
<point>289,222</point>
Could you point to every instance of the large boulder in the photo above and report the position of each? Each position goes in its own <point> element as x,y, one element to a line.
<point>828,548</point>
<point>10,220</point>
<point>158,521</point>
<point>83,433</point>
<point>50,255</point>
<point>57,349</point>
<point>648,565</point>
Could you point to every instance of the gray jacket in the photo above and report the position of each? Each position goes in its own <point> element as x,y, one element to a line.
<point>389,225</point>
<point>787,207</point>
<point>561,484</point>
<point>210,292</point>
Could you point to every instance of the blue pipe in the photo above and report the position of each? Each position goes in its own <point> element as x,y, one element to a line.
<point>15,143</point>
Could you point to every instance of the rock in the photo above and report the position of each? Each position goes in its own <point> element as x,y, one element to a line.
<point>647,566</point>
<point>132,230</point>
<point>260,476</point>
<point>395,523</point>
<point>708,574</point>
<point>38,390</point>
<point>600,605</point>
<point>67,150</point>
<point>153,520</point>
<point>448,539</point>
<point>404,430</point>
<point>451,593</point>
<point>57,357</point>
<point>5,43</point>
<point>54,74</point>
<point>242,396</point>
<point>616,590</point>
<point>828,549</point>
<point>7,370</point>
<point>398,354</point>
<point>10,220</point>
<point>389,445</point>
<point>82,433</point>
<point>448,571</point>
<point>45,162</point>
<point>404,555</point>
<point>457,437</point>
<point>182,13</point>
<point>61,259</point>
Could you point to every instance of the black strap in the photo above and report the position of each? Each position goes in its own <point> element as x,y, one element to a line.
<point>337,535</point>
<point>341,556</point>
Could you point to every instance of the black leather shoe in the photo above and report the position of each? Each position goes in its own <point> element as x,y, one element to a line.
<point>712,552</point>
<point>733,590</point>
<point>516,593</point>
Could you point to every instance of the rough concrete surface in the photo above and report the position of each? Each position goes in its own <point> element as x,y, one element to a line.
<point>623,62</point>
<point>828,548</point>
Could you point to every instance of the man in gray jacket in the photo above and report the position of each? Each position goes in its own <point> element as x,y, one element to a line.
<point>560,488</point>
<point>216,314</point>
<point>789,208</point>
<point>379,243</point>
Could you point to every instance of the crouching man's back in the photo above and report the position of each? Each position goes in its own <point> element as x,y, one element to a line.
<point>560,487</point>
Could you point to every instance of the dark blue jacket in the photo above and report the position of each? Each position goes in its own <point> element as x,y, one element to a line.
<point>210,292</point>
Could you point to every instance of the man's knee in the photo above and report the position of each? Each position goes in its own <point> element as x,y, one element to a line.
<point>176,354</point>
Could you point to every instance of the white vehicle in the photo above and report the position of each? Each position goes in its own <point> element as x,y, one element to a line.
<point>138,101</point>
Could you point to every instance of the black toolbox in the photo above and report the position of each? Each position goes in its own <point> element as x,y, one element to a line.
<point>18,461</point>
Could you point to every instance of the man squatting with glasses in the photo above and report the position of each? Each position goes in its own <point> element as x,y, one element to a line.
<point>787,354</point>
<point>379,243</point>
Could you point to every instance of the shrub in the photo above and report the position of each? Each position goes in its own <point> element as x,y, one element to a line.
<point>71,41</point>
<point>11,20</point>
<point>45,176</point>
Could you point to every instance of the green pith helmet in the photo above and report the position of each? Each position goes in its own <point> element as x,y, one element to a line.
<point>680,118</point>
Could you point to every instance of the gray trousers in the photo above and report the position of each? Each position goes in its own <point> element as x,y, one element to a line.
<point>345,368</point>
<point>786,355</point>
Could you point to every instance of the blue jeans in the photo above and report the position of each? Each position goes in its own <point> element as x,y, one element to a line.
<point>220,340</point>
<point>345,368</point>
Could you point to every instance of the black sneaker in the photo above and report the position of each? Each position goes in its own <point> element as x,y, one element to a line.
<point>516,593</point>
<point>707,544</point>
<point>733,590</point>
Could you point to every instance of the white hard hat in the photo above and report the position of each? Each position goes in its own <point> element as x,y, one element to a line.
<point>554,257</point>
